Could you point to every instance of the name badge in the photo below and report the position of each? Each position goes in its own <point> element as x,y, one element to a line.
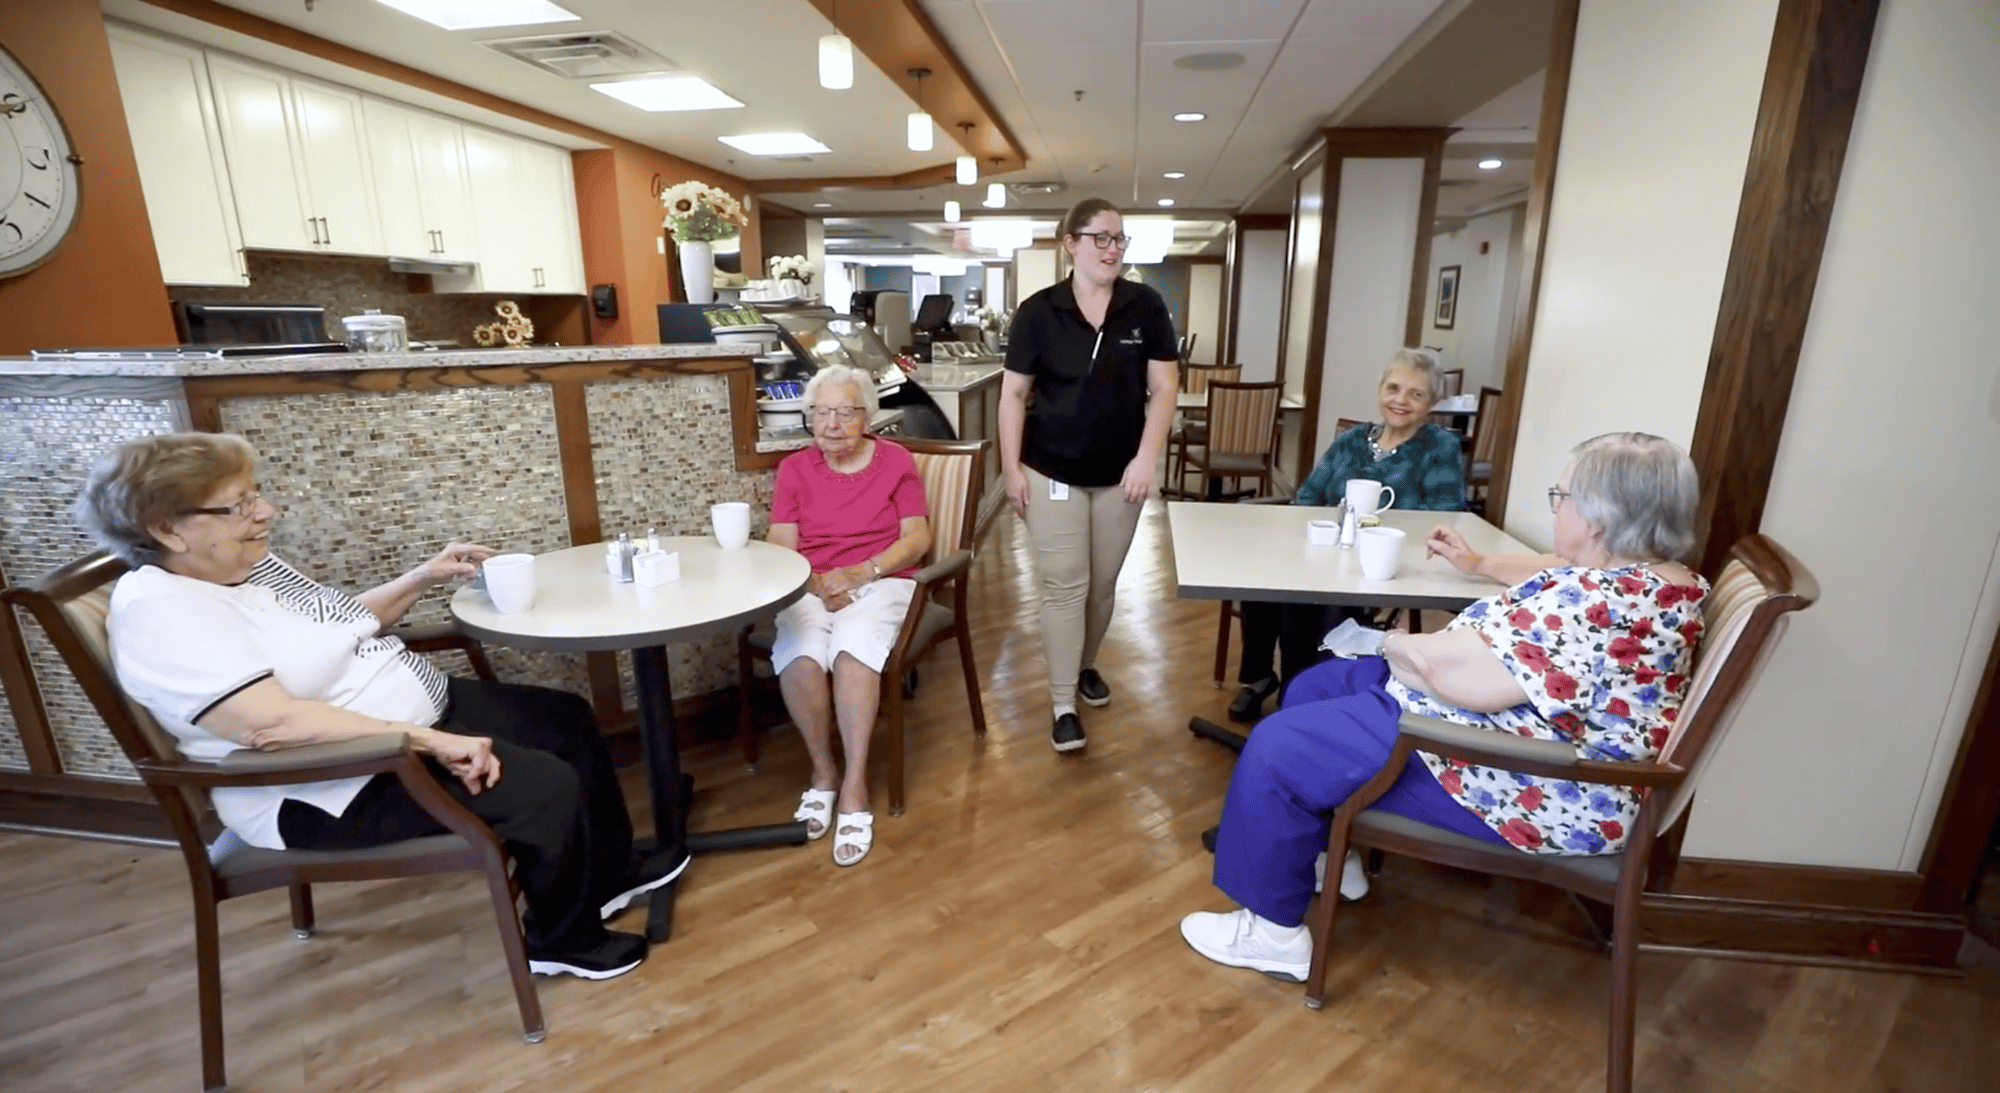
<point>1058,491</point>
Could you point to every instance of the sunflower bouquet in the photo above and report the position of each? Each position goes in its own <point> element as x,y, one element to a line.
<point>700,213</point>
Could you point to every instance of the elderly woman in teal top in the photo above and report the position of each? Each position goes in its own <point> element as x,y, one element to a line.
<point>1423,462</point>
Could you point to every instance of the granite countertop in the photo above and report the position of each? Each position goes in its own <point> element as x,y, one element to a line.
<point>959,377</point>
<point>359,362</point>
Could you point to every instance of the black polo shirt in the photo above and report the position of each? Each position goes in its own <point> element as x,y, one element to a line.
<point>1088,411</point>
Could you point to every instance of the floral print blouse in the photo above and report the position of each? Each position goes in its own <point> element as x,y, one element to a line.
<point>1604,656</point>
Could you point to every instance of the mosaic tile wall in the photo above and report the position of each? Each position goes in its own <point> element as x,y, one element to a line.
<point>47,445</point>
<point>368,485</point>
<point>347,286</point>
<point>662,452</point>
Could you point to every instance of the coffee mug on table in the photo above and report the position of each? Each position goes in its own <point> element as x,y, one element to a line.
<point>510,582</point>
<point>1364,496</point>
<point>1380,550</point>
<point>731,522</point>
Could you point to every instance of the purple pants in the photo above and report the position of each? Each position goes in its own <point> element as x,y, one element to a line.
<point>1332,734</point>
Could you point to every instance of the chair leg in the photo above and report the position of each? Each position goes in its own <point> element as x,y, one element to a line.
<point>533,1029</point>
<point>1222,644</point>
<point>892,702</point>
<point>208,991</point>
<point>746,680</point>
<point>1624,985</point>
<point>1321,919</point>
<point>302,911</point>
<point>972,699</point>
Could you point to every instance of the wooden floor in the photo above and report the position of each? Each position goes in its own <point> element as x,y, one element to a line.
<point>1015,930</point>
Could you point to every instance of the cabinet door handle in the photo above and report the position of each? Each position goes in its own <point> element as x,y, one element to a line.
<point>313,223</point>
<point>329,231</point>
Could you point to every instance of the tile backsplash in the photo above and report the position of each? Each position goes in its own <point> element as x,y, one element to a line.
<point>349,285</point>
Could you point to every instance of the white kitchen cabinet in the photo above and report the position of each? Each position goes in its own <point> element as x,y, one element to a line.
<point>556,251</point>
<point>298,160</point>
<point>182,173</point>
<point>420,183</point>
<point>524,212</point>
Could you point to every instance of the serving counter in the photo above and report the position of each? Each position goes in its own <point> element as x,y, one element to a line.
<point>374,461</point>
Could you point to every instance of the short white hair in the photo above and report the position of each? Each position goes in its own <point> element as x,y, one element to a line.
<point>1640,490</point>
<point>1417,360</point>
<point>836,374</point>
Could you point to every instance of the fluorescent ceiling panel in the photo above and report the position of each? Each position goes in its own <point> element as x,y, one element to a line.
<point>480,14</point>
<point>663,93</point>
<point>775,144</point>
<point>1151,238</point>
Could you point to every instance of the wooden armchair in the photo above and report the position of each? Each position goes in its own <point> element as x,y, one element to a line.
<point>1240,436</point>
<point>1193,428</point>
<point>954,474</point>
<point>72,605</point>
<point>1760,585</point>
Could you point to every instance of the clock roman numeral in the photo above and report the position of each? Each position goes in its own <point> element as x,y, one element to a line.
<point>8,225</point>
<point>36,200</point>
<point>11,104</point>
<point>47,158</point>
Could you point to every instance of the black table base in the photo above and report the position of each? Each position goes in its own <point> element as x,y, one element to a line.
<point>672,792</point>
<point>1209,730</point>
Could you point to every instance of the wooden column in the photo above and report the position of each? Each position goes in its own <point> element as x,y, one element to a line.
<point>1812,83</point>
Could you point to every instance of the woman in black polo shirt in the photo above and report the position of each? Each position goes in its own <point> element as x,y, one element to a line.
<point>1098,353</point>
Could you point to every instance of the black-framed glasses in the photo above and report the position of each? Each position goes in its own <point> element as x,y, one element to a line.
<point>1557,495</point>
<point>240,509</point>
<point>846,415</point>
<point>1106,240</point>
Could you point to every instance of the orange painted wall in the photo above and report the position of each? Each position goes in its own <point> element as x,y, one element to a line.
<point>102,286</point>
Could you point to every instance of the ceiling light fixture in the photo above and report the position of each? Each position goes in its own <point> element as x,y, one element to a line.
<point>1175,174</point>
<point>1165,202</point>
<point>920,127</point>
<point>968,167</point>
<point>1151,238</point>
<point>663,93</point>
<point>1005,236</point>
<point>822,204</point>
<point>775,144</point>
<point>1489,164</point>
<point>1190,115</point>
<point>836,56</point>
<point>996,196</point>
<point>480,14</point>
<point>951,212</point>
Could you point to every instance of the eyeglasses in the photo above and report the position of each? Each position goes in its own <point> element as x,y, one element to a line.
<point>240,509</point>
<point>846,415</point>
<point>1557,495</point>
<point>1106,240</point>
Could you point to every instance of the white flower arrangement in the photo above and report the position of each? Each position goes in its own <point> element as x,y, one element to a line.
<point>792,265</point>
<point>700,213</point>
<point>993,320</point>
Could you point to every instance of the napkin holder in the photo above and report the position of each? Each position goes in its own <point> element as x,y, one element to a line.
<point>1323,532</point>
<point>656,567</point>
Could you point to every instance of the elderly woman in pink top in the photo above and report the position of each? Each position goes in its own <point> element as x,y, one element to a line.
<point>853,504</point>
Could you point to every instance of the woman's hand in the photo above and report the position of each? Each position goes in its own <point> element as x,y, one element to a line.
<point>1017,491</point>
<point>1447,543</point>
<point>469,758</point>
<point>843,581</point>
<point>817,585</point>
<point>1137,481</point>
<point>456,561</point>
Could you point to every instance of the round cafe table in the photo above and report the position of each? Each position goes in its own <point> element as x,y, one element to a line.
<point>580,608</point>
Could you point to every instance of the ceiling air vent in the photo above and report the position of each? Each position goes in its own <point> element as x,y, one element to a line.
<point>584,55</point>
<point>1035,189</point>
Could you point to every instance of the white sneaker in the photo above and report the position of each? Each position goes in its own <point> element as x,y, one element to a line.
<point>1242,940</point>
<point>1353,876</point>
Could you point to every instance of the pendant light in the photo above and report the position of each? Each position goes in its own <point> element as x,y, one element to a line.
<point>951,212</point>
<point>968,167</point>
<point>836,57</point>
<point>920,122</point>
<point>996,193</point>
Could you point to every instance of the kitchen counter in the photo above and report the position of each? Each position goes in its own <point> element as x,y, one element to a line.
<point>958,378</point>
<point>362,362</point>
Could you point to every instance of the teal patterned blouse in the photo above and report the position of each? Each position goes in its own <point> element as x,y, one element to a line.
<point>1427,471</point>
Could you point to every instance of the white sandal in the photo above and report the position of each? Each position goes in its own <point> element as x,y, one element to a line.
<point>815,805</point>
<point>861,839</point>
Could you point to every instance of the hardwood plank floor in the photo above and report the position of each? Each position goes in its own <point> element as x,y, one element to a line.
<point>1015,930</point>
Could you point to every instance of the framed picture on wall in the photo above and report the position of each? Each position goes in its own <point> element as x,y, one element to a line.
<point>1447,305</point>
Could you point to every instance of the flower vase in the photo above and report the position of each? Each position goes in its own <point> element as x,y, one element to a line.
<point>698,272</point>
<point>791,288</point>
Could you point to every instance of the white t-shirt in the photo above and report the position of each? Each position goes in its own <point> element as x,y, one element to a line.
<point>181,646</point>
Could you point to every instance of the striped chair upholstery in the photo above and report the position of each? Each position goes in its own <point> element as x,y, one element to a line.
<point>1242,437</point>
<point>1193,429</point>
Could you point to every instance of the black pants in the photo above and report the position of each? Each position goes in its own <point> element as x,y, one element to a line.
<point>1291,630</point>
<point>557,808</point>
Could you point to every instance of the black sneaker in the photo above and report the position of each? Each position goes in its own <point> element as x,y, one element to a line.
<point>646,876</point>
<point>1208,838</point>
<point>1068,734</point>
<point>1249,704</point>
<point>614,956</point>
<point>1090,687</point>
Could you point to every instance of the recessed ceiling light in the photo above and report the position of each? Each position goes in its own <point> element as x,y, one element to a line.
<point>1190,115</point>
<point>478,14</point>
<point>1164,202</point>
<point>1175,174</point>
<point>822,204</point>
<point>775,144</point>
<point>1489,164</point>
<point>1209,62</point>
<point>663,93</point>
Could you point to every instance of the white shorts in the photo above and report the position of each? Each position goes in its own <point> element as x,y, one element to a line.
<point>865,629</point>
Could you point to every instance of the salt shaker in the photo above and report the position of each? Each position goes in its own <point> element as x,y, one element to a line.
<point>652,540</point>
<point>625,554</point>
<point>1349,523</point>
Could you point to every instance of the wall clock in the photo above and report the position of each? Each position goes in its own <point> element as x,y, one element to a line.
<point>40,176</point>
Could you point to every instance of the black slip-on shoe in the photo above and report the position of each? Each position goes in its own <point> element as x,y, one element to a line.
<point>1249,704</point>
<point>644,880</point>
<point>1092,689</point>
<point>1068,733</point>
<point>614,956</point>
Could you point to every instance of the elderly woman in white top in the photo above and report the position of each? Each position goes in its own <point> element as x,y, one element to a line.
<point>230,648</point>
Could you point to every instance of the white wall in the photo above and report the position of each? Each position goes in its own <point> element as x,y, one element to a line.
<point>1844,748</point>
<point>1034,270</point>
<point>1261,268</point>
<point>1656,135</point>
<point>1204,309</point>
<point>1477,341</point>
<point>1302,276</point>
<point>1368,294</point>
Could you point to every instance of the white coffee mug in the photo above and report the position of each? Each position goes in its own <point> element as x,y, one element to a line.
<point>510,582</point>
<point>1380,549</point>
<point>1364,496</point>
<point>731,522</point>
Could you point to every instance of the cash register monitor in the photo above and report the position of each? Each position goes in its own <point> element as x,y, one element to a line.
<point>934,318</point>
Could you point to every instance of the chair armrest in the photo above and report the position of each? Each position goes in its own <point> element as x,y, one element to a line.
<point>312,756</point>
<point>431,637</point>
<point>1528,755</point>
<point>388,753</point>
<point>952,566</point>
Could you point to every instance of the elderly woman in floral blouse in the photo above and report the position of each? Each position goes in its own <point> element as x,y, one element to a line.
<point>1591,645</point>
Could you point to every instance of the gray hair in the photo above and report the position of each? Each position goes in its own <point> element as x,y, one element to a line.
<point>864,385</point>
<point>1640,490</point>
<point>1417,360</point>
<point>149,482</point>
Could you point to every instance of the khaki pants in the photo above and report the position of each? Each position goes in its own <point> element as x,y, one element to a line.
<point>1080,544</point>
